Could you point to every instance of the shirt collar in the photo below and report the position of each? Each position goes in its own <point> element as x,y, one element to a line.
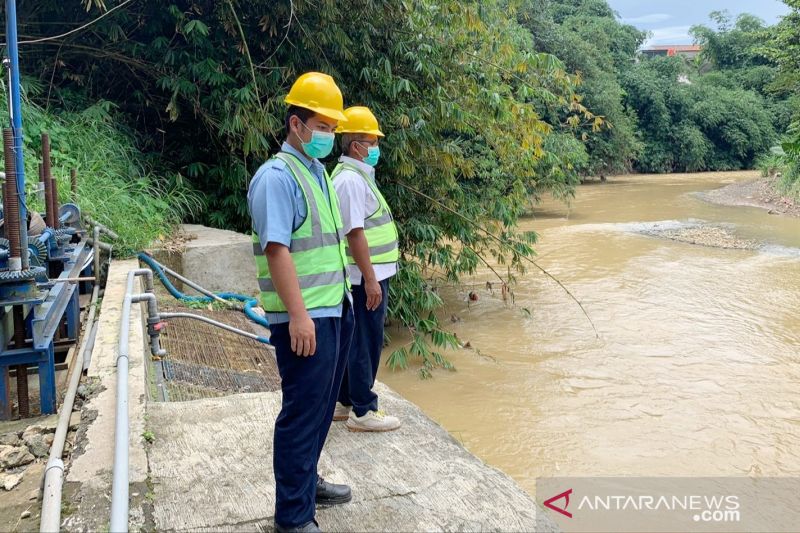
<point>368,170</point>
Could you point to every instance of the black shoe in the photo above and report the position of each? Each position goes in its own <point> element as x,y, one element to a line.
<point>308,527</point>
<point>332,494</point>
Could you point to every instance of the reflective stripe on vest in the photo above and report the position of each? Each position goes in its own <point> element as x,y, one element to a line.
<point>379,228</point>
<point>317,247</point>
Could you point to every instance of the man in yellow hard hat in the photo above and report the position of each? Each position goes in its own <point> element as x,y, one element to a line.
<point>299,247</point>
<point>372,252</point>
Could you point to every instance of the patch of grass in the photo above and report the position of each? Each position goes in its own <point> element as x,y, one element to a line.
<point>148,436</point>
<point>789,183</point>
<point>770,164</point>
<point>116,184</point>
<point>211,306</point>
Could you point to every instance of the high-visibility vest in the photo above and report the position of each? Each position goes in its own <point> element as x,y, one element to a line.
<point>379,228</point>
<point>317,247</point>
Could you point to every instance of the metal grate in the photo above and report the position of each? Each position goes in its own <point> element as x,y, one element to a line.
<point>205,362</point>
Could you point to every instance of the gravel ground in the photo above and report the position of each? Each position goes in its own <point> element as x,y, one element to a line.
<point>758,193</point>
<point>713,236</point>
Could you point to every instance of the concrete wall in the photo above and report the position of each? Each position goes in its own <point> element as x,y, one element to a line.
<point>217,259</point>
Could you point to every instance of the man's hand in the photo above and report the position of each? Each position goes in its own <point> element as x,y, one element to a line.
<point>303,333</point>
<point>360,250</point>
<point>374,294</point>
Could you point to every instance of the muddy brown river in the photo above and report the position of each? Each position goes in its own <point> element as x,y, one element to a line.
<point>697,368</point>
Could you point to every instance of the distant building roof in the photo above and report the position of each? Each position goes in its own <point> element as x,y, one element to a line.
<point>676,47</point>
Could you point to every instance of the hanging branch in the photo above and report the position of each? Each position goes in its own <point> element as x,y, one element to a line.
<point>285,36</point>
<point>55,37</point>
<point>247,52</point>
<point>485,262</point>
<point>502,243</point>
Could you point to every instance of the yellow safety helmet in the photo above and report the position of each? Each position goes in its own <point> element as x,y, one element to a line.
<point>359,119</point>
<point>319,93</point>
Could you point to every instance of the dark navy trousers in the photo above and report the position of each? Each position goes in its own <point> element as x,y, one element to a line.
<point>365,352</point>
<point>310,387</point>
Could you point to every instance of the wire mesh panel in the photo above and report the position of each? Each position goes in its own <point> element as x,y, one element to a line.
<point>203,361</point>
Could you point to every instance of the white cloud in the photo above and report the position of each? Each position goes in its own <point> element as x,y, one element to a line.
<point>647,19</point>
<point>669,35</point>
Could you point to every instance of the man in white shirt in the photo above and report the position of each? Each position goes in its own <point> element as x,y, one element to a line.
<point>372,251</point>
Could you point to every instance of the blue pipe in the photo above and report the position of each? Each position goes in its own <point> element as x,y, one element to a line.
<point>16,120</point>
<point>249,302</point>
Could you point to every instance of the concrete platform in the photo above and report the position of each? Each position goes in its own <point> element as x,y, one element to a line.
<point>211,470</point>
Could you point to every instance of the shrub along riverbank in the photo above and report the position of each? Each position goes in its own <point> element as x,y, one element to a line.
<point>116,183</point>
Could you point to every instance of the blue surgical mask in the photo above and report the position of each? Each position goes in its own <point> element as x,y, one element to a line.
<point>373,154</point>
<point>320,145</point>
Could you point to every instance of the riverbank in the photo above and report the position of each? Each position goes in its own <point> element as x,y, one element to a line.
<point>762,193</point>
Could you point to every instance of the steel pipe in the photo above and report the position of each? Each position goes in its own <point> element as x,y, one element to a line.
<point>119,484</point>
<point>11,204</point>
<point>103,246</point>
<point>96,247</point>
<point>72,280</point>
<point>54,472</point>
<point>195,286</point>
<point>108,231</point>
<point>50,215</point>
<point>15,113</point>
<point>54,187</point>
<point>226,327</point>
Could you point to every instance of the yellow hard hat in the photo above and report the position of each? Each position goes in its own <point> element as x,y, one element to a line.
<point>359,119</point>
<point>319,93</point>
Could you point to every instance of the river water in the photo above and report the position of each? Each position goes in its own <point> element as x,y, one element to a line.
<point>697,368</point>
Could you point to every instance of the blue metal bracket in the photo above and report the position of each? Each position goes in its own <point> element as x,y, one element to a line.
<point>49,310</point>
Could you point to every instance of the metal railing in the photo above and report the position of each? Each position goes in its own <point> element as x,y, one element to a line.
<point>119,484</point>
<point>120,476</point>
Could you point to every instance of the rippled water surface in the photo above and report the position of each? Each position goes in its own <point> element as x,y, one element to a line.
<point>697,368</point>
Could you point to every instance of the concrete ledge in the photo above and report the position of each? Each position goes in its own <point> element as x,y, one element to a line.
<point>88,481</point>
<point>211,468</point>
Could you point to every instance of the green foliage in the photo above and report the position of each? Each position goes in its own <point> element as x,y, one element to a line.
<point>115,184</point>
<point>148,436</point>
<point>458,86</point>
<point>592,43</point>
<point>790,159</point>
<point>701,123</point>
<point>771,163</point>
<point>735,43</point>
<point>784,50</point>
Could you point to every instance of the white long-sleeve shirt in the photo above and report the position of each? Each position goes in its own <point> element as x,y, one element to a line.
<point>357,202</point>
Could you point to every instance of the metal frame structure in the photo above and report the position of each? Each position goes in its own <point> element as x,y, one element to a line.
<point>44,316</point>
<point>35,310</point>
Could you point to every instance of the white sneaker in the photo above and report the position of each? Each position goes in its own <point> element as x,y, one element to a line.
<point>372,421</point>
<point>342,412</point>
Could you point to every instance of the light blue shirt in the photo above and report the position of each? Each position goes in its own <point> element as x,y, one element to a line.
<point>277,208</point>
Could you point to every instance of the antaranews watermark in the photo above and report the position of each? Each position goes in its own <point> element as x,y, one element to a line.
<point>734,504</point>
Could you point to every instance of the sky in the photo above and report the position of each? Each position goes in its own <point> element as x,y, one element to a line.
<point>669,20</point>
